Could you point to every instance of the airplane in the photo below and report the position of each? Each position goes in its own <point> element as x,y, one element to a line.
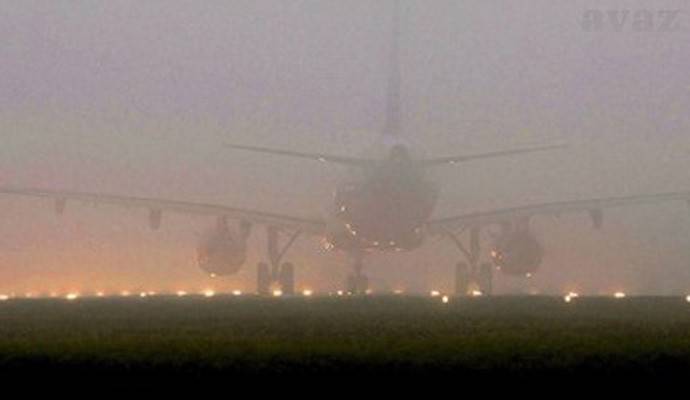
<point>387,207</point>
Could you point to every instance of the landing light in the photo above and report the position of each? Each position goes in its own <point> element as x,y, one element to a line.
<point>619,295</point>
<point>72,296</point>
<point>339,292</point>
<point>435,293</point>
<point>528,275</point>
<point>143,294</point>
<point>181,293</point>
<point>570,296</point>
<point>125,293</point>
<point>209,293</point>
<point>398,291</point>
<point>237,293</point>
<point>100,294</point>
<point>444,299</point>
<point>277,293</point>
<point>4,297</point>
<point>687,298</point>
<point>307,292</point>
<point>476,293</point>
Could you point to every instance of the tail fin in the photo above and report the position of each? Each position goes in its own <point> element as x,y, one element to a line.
<point>392,125</point>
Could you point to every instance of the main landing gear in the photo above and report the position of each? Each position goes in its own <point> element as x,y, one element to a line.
<point>471,276</point>
<point>276,272</point>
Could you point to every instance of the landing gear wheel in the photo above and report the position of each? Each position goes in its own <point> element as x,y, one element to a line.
<point>486,272</point>
<point>263,279</point>
<point>357,284</point>
<point>287,279</point>
<point>462,279</point>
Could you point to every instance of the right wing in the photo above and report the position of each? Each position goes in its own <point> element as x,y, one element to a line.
<point>350,161</point>
<point>157,206</point>
<point>592,206</point>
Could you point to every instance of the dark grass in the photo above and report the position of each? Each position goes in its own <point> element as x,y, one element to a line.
<point>189,339</point>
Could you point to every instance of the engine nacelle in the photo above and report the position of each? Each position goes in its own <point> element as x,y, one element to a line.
<point>517,253</point>
<point>220,251</point>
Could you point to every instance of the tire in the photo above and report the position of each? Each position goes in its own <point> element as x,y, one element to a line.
<point>287,279</point>
<point>263,279</point>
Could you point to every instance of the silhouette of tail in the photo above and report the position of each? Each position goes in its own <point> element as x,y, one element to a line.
<point>392,126</point>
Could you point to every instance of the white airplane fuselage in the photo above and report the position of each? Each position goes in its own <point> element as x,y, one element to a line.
<point>385,210</point>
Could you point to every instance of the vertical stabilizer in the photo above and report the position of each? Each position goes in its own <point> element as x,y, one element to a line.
<point>392,125</point>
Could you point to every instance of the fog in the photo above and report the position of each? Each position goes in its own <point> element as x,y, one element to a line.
<point>136,98</point>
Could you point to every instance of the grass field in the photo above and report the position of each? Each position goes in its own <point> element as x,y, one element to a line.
<point>212,338</point>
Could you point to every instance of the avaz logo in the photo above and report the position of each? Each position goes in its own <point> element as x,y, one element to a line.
<point>632,20</point>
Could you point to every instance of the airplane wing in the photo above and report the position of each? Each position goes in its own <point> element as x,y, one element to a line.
<point>350,161</point>
<point>592,206</point>
<point>494,154</point>
<point>157,206</point>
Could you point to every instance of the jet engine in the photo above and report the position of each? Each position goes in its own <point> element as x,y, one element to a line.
<point>221,251</point>
<point>517,253</point>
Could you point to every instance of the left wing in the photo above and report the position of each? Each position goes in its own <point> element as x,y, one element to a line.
<point>157,206</point>
<point>592,206</point>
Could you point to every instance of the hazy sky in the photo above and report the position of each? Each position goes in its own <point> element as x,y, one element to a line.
<point>136,98</point>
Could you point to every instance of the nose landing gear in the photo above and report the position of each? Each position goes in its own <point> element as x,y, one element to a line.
<point>357,283</point>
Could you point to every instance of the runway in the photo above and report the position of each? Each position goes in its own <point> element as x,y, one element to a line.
<point>196,337</point>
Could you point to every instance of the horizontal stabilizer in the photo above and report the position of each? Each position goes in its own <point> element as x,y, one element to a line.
<point>351,161</point>
<point>493,154</point>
